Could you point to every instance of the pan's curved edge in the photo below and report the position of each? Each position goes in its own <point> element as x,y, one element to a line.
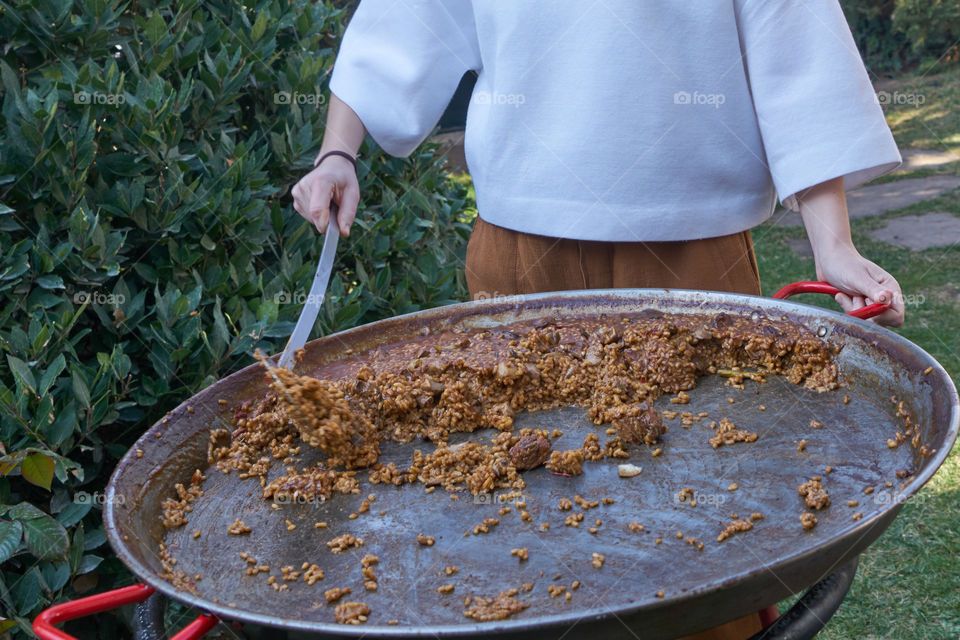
<point>515,308</point>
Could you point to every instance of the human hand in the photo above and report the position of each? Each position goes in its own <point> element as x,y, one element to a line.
<point>861,282</point>
<point>333,180</point>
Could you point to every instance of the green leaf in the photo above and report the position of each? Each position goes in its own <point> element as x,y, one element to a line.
<point>28,591</point>
<point>74,512</point>
<point>56,575</point>
<point>258,27</point>
<point>10,535</point>
<point>50,281</point>
<point>281,329</point>
<point>6,396</point>
<point>155,28</point>
<point>81,390</point>
<point>88,563</point>
<point>119,164</point>
<point>10,462</point>
<point>43,336</point>
<point>46,538</point>
<point>94,539</point>
<point>37,469</point>
<point>50,375</point>
<point>76,548</point>
<point>180,306</point>
<point>21,372</point>
<point>25,511</point>
<point>63,425</point>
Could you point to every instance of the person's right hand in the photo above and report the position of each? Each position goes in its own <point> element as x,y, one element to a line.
<point>333,180</point>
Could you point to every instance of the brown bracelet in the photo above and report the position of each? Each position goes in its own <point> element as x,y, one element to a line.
<point>342,154</point>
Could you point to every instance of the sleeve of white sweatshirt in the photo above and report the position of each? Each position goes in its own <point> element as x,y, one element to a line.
<point>399,64</point>
<point>819,116</point>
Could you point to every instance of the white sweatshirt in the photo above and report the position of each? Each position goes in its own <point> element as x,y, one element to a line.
<point>627,120</point>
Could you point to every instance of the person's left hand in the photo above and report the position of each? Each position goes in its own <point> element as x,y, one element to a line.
<point>862,283</point>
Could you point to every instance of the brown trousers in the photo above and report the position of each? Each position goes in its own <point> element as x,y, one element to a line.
<point>502,262</point>
<point>505,262</point>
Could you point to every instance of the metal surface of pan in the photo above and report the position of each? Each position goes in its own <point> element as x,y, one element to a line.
<point>701,588</point>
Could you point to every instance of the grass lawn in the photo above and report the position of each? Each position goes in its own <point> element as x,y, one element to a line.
<point>908,584</point>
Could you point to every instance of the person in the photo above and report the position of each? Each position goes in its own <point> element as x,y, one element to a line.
<point>622,143</point>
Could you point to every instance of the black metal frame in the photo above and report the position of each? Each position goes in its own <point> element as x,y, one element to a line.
<point>811,612</point>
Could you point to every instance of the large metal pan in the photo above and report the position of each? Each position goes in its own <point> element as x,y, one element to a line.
<point>700,588</point>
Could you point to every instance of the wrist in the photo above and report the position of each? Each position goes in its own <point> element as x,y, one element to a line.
<point>831,244</point>
<point>831,258</point>
<point>329,154</point>
<point>829,232</point>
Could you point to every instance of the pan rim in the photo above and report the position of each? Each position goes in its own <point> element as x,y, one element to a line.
<point>707,301</point>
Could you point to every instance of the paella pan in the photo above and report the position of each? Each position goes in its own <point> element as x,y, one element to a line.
<point>656,551</point>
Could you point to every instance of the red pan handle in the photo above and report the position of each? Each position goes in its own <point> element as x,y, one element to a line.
<point>863,313</point>
<point>44,623</point>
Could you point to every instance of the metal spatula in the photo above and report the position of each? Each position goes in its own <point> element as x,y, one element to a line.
<point>308,315</point>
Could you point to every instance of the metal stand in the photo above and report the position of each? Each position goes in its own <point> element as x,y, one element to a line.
<point>810,614</point>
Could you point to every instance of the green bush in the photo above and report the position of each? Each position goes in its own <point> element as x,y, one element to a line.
<point>931,26</point>
<point>882,47</point>
<point>149,243</point>
<point>893,33</point>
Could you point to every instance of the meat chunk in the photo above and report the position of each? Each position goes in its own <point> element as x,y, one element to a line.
<point>530,452</point>
<point>644,427</point>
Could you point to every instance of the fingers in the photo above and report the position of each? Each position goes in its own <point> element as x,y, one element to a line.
<point>849,303</point>
<point>864,283</point>
<point>299,202</point>
<point>845,301</point>
<point>319,207</point>
<point>313,195</point>
<point>892,317</point>
<point>889,318</point>
<point>348,208</point>
<point>311,199</point>
<point>889,292</point>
